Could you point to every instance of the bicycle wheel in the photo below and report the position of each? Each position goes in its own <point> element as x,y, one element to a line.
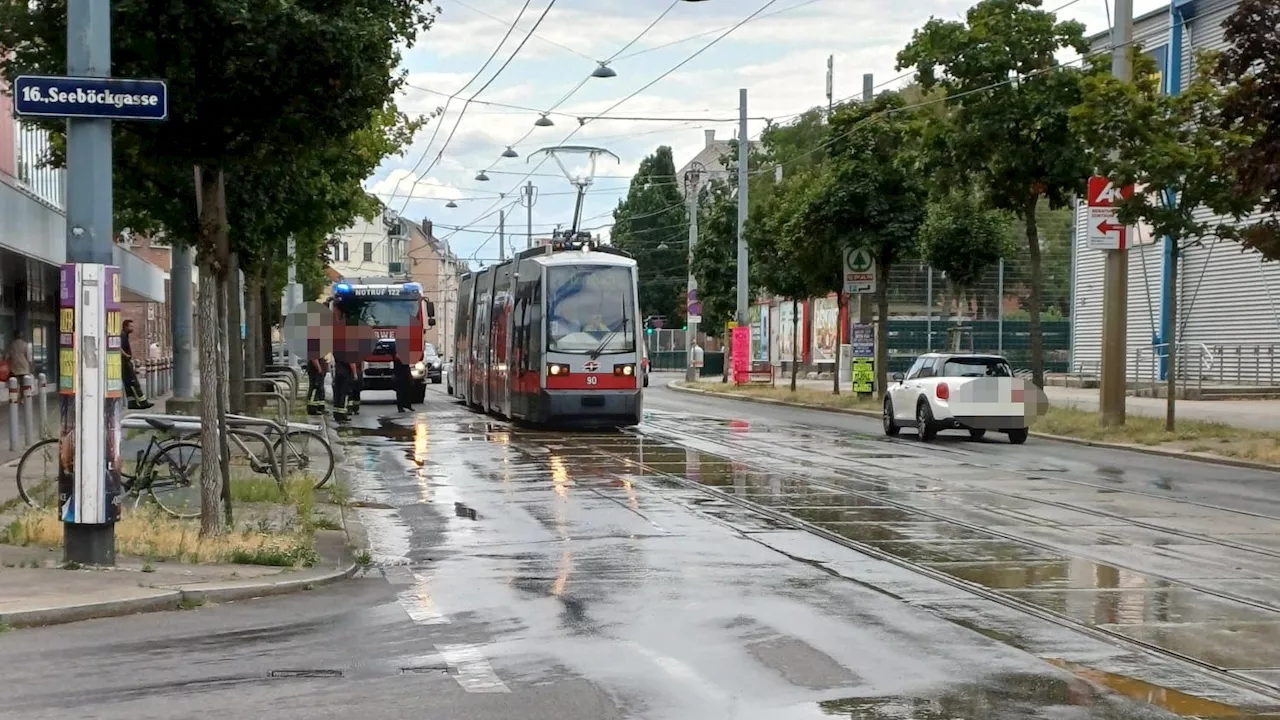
<point>306,451</point>
<point>174,479</point>
<point>37,474</point>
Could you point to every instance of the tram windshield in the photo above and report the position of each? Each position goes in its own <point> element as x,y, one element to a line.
<point>590,309</point>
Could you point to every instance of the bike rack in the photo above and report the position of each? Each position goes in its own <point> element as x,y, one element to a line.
<point>281,399</point>
<point>296,373</point>
<point>287,379</point>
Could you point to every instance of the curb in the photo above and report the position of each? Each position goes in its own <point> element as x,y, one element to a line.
<point>1143,449</point>
<point>173,599</point>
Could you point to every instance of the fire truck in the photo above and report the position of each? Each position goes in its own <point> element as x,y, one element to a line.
<point>374,319</point>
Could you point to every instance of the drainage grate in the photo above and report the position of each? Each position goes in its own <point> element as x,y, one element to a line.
<point>305,674</point>
<point>425,669</point>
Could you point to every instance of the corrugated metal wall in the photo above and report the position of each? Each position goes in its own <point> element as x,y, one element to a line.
<point>1228,298</point>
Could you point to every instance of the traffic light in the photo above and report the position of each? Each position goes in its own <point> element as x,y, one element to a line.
<point>648,331</point>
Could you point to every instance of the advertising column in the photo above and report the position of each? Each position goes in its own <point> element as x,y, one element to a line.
<point>91,395</point>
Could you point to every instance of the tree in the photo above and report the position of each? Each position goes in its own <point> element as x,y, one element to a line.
<point>776,237</point>
<point>1007,128</point>
<point>1177,151</point>
<point>715,256</point>
<point>963,239</point>
<point>1250,68</point>
<point>248,83</point>
<point>652,224</point>
<point>869,195</point>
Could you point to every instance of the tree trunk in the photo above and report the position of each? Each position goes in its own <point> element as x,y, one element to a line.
<point>881,336</point>
<point>235,340</point>
<point>209,236</point>
<point>222,400</point>
<point>253,319</point>
<point>1033,299</point>
<point>795,342</point>
<point>211,520</point>
<point>835,367</point>
<point>1171,343</point>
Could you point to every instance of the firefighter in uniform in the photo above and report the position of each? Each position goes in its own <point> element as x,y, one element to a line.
<point>343,380</point>
<point>357,384</point>
<point>317,367</point>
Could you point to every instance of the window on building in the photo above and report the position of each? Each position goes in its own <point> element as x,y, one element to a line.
<point>368,252</point>
<point>346,252</point>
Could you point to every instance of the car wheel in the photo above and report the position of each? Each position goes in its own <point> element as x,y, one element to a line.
<point>1017,437</point>
<point>977,433</point>
<point>890,427</point>
<point>925,428</point>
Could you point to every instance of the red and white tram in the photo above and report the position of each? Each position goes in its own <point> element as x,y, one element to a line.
<point>551,336</point>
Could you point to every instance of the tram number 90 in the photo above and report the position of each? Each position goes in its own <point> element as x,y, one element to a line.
<point>592,380</point>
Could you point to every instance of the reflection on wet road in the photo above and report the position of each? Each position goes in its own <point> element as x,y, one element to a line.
<point>663,574</point>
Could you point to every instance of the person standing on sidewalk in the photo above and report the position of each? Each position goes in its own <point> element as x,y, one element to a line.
<point>20,362</point>
<point>132,388</point>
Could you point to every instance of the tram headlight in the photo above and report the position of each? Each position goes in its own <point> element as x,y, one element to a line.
<point>624,370</point>
<point>556,369</point>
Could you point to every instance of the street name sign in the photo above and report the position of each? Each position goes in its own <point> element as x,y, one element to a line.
<point>859,272</point>
<point>1105,232</point>
<point>90,97</point>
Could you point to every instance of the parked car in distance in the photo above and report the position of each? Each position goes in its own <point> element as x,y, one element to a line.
<point>435,366</point>
<point>957,391</point>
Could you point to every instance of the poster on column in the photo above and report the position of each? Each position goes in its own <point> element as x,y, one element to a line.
<point>66,391</point>
<point>113,397</point>
<point>826,329</point>
<point>741,352</point>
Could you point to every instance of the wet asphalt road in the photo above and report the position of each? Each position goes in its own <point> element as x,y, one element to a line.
<point>657,574</point>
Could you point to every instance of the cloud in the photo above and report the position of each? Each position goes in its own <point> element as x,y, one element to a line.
<point>402,184</point>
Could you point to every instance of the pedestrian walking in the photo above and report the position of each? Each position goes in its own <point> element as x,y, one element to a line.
<point>20,361</point>
<point>133,389</point>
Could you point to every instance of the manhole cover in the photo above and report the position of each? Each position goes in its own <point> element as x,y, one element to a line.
<point>305,674</point>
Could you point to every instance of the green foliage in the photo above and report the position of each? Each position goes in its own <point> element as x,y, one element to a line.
<point>777,238</point>
<point>1174,146</point>
<point>1250,70</point>
<point>963,239</point>
<point>715,256</point>
<point>1012,141</point>
<point>651,223</point>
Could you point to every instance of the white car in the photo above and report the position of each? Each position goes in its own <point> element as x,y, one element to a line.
<point>957,391</point>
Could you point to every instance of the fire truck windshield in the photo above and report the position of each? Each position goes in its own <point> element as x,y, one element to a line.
<point>379,312</point>
<point>590,309</point>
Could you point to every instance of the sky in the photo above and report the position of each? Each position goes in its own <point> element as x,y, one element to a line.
<point>780,57</point>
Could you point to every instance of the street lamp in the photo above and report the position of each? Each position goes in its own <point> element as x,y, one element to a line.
<point>604,71</point>
<point>510,153</point>
<point>451,204</point>
<point>543,121</point>
<point>481,177</point>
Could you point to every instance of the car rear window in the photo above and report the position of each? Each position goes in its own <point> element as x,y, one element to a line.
<point>976,367</point>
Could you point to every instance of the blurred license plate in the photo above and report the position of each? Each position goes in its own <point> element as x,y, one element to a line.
<point>378,366</point>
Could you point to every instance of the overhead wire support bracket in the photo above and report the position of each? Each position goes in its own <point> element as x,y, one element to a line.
<point>581,183</point>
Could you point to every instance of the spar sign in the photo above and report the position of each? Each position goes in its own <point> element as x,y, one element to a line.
<point>1105,232</point>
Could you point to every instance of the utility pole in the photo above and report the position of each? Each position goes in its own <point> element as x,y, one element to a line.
<point>529,196</point>
<point>692,178</point>
<point>831,84</point>
<point>502,235</point>
<point>1115,293</point>
<point>866,311</point>
<point>744,151</point>
<point>182,259</point>
<point>88,539</point>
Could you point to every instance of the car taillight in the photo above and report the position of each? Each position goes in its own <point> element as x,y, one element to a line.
<point>942,391</point>
<point>624,370</point>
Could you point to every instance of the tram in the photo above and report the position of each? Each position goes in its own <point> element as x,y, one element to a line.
<point>551,336</point>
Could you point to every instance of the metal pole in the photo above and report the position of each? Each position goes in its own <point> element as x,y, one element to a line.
<point>89,214</point>
<point>868,86</point>
<point>43,404</point>
<point>691,325</point>
<point>29,433</point>
<point>528,198</point>
<point>1115,294</point>
<point>744,147</point>
<point>180,315</point>
<point>831,84</point>
<point>502,234</point>
<point>15,421</point>
<point>1000,309</point>
<point>928,302</point>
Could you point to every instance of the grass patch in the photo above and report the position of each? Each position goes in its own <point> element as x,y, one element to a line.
<point>1196,436</point>
<point>149,533</point>
<point>804,395</point>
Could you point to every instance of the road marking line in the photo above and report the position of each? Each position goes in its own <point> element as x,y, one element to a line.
<point>420,606</point>
<point>471,669</point>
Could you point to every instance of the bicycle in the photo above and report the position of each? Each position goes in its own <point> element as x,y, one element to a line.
<point>171,495</point>
<point>291,452</point>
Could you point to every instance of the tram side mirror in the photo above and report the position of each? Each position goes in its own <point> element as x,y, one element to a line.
<point>898,377</point>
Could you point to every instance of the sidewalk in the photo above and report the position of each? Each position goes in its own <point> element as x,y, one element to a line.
<point>1263,415</point>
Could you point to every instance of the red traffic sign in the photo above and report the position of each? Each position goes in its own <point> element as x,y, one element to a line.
<point>1104,193</point>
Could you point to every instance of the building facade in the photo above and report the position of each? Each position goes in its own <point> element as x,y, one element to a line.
<point>372,248</point>
<point>33,240</point>
<point>433,264</point>
<point>1228,299</point>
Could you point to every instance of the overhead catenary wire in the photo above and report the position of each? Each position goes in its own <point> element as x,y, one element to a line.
<point>657,79</point>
